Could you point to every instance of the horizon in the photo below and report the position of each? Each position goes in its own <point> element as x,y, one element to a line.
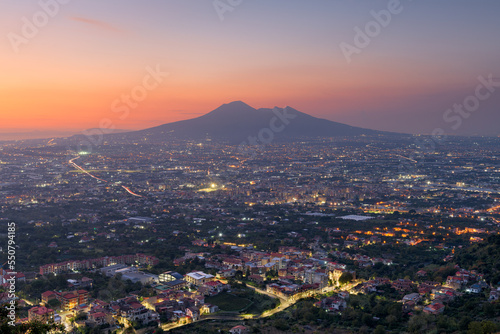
<point>83,63</point>
<point>59,133</point>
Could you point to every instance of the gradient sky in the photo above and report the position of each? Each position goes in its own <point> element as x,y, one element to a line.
<point>265,52</point>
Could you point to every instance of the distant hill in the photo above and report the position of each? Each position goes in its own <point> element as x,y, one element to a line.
<point>237,122</point>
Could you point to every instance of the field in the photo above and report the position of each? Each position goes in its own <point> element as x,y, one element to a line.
<point>228,302</point>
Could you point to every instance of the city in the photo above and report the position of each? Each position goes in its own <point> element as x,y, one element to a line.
<point>250,167</point>
<point>227,237</point>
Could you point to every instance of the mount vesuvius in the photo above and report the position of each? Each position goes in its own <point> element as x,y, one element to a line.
<point>236,122</point>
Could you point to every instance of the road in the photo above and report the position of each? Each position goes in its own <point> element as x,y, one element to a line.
<point>284,305</point>
<point>128,190</point>
<point>264,292</point>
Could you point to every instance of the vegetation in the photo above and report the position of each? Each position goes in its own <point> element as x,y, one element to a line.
<point>228,302</point>
<point>483,257</point>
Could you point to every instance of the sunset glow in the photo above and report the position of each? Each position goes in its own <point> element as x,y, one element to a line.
<point>66,77</point>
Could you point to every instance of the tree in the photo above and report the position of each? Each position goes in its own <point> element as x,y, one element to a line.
<point>418,324</point>
<point>281,324</point>
<point>238,275</point>
<point>345,278</point>
<point>483,327</point>
<point>54,304</point>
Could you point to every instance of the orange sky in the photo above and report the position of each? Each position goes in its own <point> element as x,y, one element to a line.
<point>67,77</point>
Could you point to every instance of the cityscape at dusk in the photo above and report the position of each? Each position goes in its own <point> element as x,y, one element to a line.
<point>233,166</point>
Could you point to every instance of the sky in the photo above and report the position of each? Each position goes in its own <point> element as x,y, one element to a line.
<point>69,65</point>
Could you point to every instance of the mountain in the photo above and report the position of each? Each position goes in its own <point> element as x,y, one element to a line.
<point>237,122</point>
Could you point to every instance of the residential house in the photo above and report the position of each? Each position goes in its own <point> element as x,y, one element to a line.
<point>193,312</point>
<point>434,308</point>
<point>70,300</point>
<point>474,288</point>
<point>415,297</point>
<point>214,287</point>
<point>198,278</point>
<point>41,313</point>
<point>239,330</point>
<point>209,309</point>
<point>408,306</point>
<point>226,273</point>
<point>494,295</point>
<point>333,304</point>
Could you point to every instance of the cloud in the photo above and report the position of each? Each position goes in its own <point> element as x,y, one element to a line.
<point>96,23</point>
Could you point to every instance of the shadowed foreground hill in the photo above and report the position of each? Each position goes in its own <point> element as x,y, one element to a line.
<point>483,257</point>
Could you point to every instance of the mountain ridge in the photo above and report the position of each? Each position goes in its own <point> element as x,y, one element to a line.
<point>237,121</point>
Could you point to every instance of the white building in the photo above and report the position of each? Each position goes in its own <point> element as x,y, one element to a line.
<point>198,278</point>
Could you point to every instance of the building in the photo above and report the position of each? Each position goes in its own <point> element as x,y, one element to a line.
<point>226,273</point>
<point>130,273</point>
<point>193,312</point>
<point>132,310</point>
<point>434,308</point>
<point>198,278</point>
<point>41,313</point>
<point>494,294</point>
<point>415,297</point>
<point>209,308</point>
<point>170,276</point>
<point>47,296</point>
<point>73,299</point>
<point>239,330</point>
<point>98,317</point>
<point>143,220</point>
<point>139,276</point>
<point>213,288</point>
<point>408,306</point>
<point>78,265</point>
<point>113,269</point>
<point>474,288</point>
<point>175,285</point>
<point>333,304</point>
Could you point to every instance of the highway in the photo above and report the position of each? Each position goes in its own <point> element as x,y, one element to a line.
<point>72,162</point>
